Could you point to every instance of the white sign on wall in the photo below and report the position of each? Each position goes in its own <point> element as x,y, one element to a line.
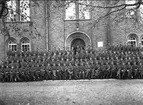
<point>100,44</point>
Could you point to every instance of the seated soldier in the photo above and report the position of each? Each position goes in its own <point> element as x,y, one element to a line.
<point>72,61</point>
<point>88,71</point>
<point>75,69</point>
<point>77,61</point>
<point>123,71</point>
<point>6,76</point>
<point>54,68</point>
<point>129,70</point>
<point>140,71</point>
<point>42,72</point>
<point>58,71</point>
<point>67,62</point>
<point>55,57</point>
<point>1,76</point>
<point>65,71</point>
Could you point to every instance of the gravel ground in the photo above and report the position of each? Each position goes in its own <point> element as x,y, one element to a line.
<point>73,92</point>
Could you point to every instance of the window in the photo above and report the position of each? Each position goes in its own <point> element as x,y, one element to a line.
<point>142,41</point>
<point>19,10</point>
<point>130,2</point>
<point>141,13</point>
<point>79,9</point>
<point>12,46</point>
<point>132,40</point>
<point>130,9</point>
<point>25,45</point>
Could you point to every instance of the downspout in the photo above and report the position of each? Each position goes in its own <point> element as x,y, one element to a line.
<point>45,8</point>
<point>47,30</point>
<point>64,31</point>
<point>48,10</point>
<point>108,29</point>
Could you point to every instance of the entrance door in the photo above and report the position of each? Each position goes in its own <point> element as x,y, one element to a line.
<point>78,43</point>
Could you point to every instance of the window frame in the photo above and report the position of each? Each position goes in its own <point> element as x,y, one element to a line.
<point>77,17</point>
<point>12,44</point>
<point>18,14</point>
<point>132,40</point>
<point>25,43</point>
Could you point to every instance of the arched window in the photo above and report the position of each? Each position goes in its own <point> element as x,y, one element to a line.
<point>132,40</point>
<point>25,45</point>
<point>12,45</point>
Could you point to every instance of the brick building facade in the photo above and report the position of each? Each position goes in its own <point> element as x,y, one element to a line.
<point>48,29</point>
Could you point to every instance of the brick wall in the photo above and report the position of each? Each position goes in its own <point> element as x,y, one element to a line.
<point>54,29</point>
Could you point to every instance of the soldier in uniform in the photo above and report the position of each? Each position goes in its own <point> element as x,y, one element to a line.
<point>113,70</point>
<point>88,71</point>
<point>141,70</point>
<point>124,71</point>
<point>129,71</point>
<point>119,75</point>
<point>49,71</point>
<point>58,72</point>
<point>70,71</point>
<point>75,71</point>
<point>42,72</point>
<point>54,68</point>
<point>65,71</point>
<point>135,70</point>
<point>1,76</point>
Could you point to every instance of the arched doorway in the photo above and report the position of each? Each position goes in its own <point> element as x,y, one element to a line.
<point>77,39</point>
<point>78,42</point>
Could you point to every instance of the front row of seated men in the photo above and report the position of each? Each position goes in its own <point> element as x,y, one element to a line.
<point>39,73</point>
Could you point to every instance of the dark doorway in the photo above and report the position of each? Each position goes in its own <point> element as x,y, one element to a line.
<point>78,44</point>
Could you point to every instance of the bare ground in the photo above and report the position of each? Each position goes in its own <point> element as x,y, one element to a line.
<point>73,92</point>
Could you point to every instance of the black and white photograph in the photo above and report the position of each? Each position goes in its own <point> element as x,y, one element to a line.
<point>71,52</point>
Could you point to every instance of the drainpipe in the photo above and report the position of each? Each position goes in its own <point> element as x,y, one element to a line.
<point>45,8</point>
<point>47,24</point>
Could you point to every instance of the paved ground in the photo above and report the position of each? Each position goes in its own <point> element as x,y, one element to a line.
<point>74,92</point>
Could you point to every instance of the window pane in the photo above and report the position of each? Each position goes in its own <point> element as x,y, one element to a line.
<point>25,45</point>
<point>12,46</point>
<point>12,11</point>
<point>70,11</point>
<point>24,10</point>
<point>84,9</point>
<point>132,43</point>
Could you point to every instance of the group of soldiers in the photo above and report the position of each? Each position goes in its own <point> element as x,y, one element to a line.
<point>118,62</point>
